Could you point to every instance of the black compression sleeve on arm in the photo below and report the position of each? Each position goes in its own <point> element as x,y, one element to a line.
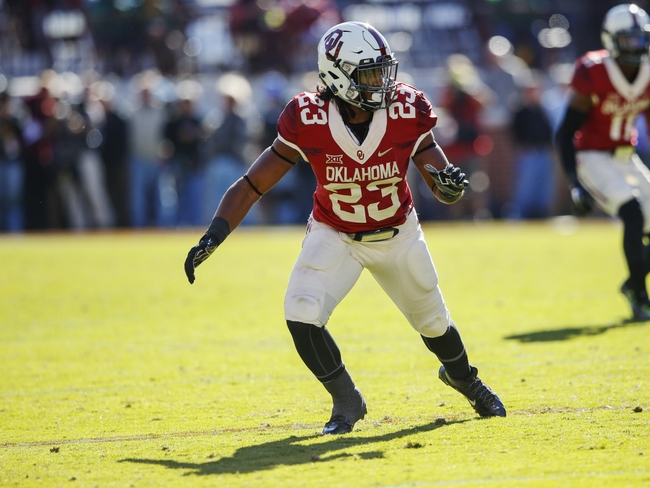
<point>573,120</point>
<point>219,228</point>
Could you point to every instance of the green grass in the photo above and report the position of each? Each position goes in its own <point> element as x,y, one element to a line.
<point>117,372</point>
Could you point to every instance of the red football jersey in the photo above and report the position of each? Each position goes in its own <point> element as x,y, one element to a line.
<point>359,186</point>
<point>617,101</point>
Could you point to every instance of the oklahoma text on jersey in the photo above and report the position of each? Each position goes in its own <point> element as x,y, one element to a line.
<point>372,173</point>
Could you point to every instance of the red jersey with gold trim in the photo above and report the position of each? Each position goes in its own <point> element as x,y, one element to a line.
<point>363,186</point>
<point>617,101</point>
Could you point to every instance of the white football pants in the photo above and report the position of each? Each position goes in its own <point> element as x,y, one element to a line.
<point>613,181</point>
<point>330,263</point>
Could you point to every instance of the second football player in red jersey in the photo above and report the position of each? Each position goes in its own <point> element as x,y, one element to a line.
<point>359,133</point>
<point>610,89</point>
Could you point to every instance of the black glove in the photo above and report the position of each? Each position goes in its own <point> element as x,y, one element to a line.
<point>200,253</point>
<point>451,181</point>
<point>580,198</point>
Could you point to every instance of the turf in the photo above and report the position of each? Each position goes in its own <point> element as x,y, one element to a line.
<point>117,372</point>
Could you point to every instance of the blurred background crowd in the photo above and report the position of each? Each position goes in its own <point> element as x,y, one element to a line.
<point>141,113</point>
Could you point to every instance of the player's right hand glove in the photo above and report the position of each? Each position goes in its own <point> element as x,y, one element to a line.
<point>580,198</point>
<point>451,182</point>
<point>200,253</point>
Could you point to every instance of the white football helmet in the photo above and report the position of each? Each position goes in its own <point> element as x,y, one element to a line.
<point>356,63</point>
<point>626,33</point>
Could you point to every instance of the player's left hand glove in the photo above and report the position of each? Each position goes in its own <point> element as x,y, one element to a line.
<point>580,198</point>
<point>199,253</point>
<point>451,182</point>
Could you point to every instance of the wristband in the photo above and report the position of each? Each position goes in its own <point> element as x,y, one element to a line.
<point>219,228</point>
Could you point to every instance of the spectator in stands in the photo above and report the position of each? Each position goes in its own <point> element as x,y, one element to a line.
<point>114,155</point>
<point>69,143</point>
<point>11,168</point>
<point>184,134</point>
<point>535,173</point>
<point>93,178</point>
<point>80,174</point>
<point>464,99</point>
<point>42,206</point>
<point>146,129</point>
<point>499,73</point>
<point>290,201</point>
<point>226,161</point>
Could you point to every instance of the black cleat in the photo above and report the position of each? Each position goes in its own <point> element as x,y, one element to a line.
<point>348,407</point>
<point>338,424</point>
<point>640,304</point>
<point>478,394</point>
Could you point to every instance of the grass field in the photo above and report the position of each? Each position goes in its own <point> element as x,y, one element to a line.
<point>117,372</point>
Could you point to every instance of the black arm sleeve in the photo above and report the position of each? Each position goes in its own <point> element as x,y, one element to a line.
<point>573,120</point>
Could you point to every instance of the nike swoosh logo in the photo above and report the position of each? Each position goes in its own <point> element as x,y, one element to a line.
<point>472,402</point>
<point>384,152</point>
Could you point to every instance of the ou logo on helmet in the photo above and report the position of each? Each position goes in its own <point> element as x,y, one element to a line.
<point>334,41</point>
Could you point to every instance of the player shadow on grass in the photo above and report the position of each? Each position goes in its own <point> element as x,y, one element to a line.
<point>289,452</point>
<point>570,332</point>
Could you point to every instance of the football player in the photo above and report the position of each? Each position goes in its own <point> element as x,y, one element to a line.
<point>610,89</point>
<point>358,132</point>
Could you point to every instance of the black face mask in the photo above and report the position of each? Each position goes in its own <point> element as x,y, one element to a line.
<point>632,46</point>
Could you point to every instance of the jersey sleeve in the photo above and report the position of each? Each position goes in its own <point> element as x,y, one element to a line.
<point>426,117</point>
<point>288,123</point>
<point>415,114</point>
